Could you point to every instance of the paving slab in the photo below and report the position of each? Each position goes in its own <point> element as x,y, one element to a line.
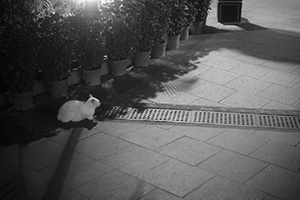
<point>281,78</point>
<point>256,58</point>
<point>271,197</point>
<point>219,76</point>
<point>44,154</point>
<point>100,145</point>
<point>212,91</point>
<point>280,154</point>
<point>196,132</point>
<point>274,105</point>
<point>57,191</point>
<point>188,150</point>
<point>34,179</point>
<point>249,85</point>
<point>64,136</point>
<point>135,160</point>
<point>233,166</point>
<point>177,177</point>
<point>206,102</point>
<point>238,140</point>
<point>296,71</point>
<point>297,104</point>
<point>222,62</point>
<point>244,100</point>
<point>281,64</point>
<point>297,86</point>
<point>76,171</point>
<point>158,194</point>
<point>117,129</point>
<point>288,137</point>
<point>151,137</point>
<point>222,188</point>
<point>115,185</point>
<point>277,181</point>
<point>280,94</point>
<point>177,100</point>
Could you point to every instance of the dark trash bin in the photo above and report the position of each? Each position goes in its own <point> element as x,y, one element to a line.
<point>229,11</point>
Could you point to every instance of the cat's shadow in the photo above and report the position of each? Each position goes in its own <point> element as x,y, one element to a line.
<point>88,124</point>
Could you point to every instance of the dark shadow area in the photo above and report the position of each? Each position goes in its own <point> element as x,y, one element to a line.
<point>12,183</point>
<point>244,24</point>
<point>247,26</point>
<point>39,122</point>
<point>54,187</point>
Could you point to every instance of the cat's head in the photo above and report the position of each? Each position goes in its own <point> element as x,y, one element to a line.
<point>93,101</point>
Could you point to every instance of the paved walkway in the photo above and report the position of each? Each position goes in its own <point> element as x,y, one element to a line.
<point>253,65</point>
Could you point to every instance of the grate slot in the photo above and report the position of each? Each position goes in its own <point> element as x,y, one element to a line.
<point>283,122</point>
<point>208,117</point>
<point>238,120</point>
<point>225,118</point>
<point>278,122</point>
<point>286,122</point>
<point>159,115</point>
<point>275,121</point>
<point>230,117</point>
<point>217,118</point>
<point>291,122</point>
<point>297,122</point>
<point>203,117</point>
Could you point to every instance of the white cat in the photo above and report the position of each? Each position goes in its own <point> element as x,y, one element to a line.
<point>75,110</point>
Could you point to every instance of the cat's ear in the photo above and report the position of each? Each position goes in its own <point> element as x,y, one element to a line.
<point>91,95</point>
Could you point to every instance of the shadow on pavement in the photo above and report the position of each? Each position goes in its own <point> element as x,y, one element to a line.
<point>38,123</point>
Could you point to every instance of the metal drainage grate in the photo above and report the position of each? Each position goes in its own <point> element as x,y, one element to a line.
<point>221,118</point>
<point>161,115</point>
<point>200,117</point>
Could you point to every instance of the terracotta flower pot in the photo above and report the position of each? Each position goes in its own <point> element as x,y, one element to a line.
<point>118,67</point>
<point>92,77</point>
<point>59,88</point>
<point>141,59</point>
<point>185,33</point>
<point>159,50</point>
<point>22,101</point>
<point>173,42</point>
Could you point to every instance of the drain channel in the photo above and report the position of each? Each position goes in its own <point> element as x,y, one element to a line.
<point>200,117</point>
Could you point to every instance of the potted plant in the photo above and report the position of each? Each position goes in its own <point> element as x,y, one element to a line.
<point>202,8</point>
<point>18,55</point>
<point>56,50</point>
<point>160,13</point>
<point>121,38</point>
<point>189,14</point>
<point>145,30</point>
<point>176,23</point>
<point>90,46</point>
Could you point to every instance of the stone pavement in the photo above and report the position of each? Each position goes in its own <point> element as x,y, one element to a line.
<point>253,65</point>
